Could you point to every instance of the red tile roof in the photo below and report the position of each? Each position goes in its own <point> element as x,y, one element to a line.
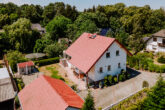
<point>85,51</point>
<point>46,93</point>
<point>24,64</point>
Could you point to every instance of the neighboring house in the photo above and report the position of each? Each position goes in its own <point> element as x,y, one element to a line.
<point>39,28</point>
<point>156,42</point>
<point>7,91</point>
<point>94,57</point>
<point>25,67</point>
<point>46,93</point>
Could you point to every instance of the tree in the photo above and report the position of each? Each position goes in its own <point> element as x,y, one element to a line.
<point>21,36</point>
<point>89,102</point>
<point>4,19</point>
<point>57,27</point>
<point>54,50</point>
<point>15,57</point>
<point>156,97</point>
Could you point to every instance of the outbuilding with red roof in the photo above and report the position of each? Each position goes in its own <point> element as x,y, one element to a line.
<point>25,67</point>
<point>46,93</point>
<point>95,56</point>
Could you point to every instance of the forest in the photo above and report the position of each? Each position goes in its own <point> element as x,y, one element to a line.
<point>127,24</point>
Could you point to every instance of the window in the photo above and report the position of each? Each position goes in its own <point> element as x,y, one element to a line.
<point>155,39</point>
<point>108,55</point>
<point>109,68</point>
<point>118,65</point>
<point>101,70</point>
<point>117,53</point>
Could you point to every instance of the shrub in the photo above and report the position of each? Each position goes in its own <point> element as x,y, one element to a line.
<point>115,79</point>
<point>145,84</point>
<point>17,104</point>
<point>161,59</point>
<point>106,81</point>
<point>74,87</point>
<point>110,79</point>
<point>120,77</point>
<point>47,61</point>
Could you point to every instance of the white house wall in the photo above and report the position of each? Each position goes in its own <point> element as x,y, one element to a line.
<point>113,61</point>
<point>152,44</point>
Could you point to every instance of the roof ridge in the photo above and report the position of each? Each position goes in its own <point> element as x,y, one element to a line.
<point>44,77</point>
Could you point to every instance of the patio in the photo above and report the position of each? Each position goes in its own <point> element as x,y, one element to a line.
<point>81,83</point>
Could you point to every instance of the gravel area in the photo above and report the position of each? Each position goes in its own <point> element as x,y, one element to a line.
<point>110,95</point>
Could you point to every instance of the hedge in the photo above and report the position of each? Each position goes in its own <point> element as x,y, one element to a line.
<point>133,102</point>
<point>143,61</point>
<point>47,61</point>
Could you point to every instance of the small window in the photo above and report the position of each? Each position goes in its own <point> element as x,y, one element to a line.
<point>101,70</point>
<point>155,39</point>
<point>109,68</point>
<point>118,65</point>
<point>108,55</point>
<point>117,53</point>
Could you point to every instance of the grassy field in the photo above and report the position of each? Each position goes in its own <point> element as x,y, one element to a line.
<point>55,71</point>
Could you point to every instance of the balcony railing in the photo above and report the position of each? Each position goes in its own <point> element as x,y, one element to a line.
<point>161,44</point>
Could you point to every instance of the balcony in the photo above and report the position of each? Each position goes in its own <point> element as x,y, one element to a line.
<point>161,44</point>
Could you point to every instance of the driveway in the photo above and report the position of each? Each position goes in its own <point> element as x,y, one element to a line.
<point>110,95</point>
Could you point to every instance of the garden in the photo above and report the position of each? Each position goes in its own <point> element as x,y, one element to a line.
<point>147,61</point>
<point>111,80</point>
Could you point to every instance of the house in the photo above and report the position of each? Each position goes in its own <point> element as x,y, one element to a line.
<point>39,28</point>
<point>25,67</point>
<point>156,42</point>
<point>7,90</point>
<point>46,93</point>
<point>94,56</point>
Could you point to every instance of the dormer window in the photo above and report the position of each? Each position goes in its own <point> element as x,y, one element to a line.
<point>108,55</point>
<point>155,39</point>
<point>117,53</point>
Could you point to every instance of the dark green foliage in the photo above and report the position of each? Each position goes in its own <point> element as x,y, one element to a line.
<point>57,27</point>
<point>161,59</point>
<point>145,84</point>
<point>115,79</point>
<point>15,57</point>
<point>19,83</point>
<point>74,87</point>
<point>89,102</point>
<point>110,80</point>
<point>106,81</point>
<point>47,61</point>
<point>17,103</point>
<point>156,97</point>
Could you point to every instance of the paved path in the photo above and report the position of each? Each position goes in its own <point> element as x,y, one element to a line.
<point>81,85</point>
<point>110,95</point>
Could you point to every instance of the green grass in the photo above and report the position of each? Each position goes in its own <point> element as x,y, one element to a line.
<point>54,73</point>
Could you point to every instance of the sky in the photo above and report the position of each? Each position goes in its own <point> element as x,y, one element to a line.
<point>82,4</point>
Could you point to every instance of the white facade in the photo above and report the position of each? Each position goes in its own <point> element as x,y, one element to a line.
<point>25,70</point>
<point>113,61</point>
<point>152,45</point>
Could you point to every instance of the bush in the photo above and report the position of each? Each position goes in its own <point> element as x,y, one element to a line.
<point>161,59</point>
<point>47,61</point>
<point>106,81</point>
<point>120,77</point>
<point>115,79</point>
<point>110,79</point>
<point>74,87</point>
<point>145,84</point>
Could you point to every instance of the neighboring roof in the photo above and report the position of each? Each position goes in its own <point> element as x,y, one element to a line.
<point>35,55</point>
<point>4,73</point>
<point>146,39</point>
<point>38,27</point>
<point>6,88</point>
<point>46,93</point>
<point>104,31</point>
<point>24,64</point>
<point>86,51</point>
<point>160,33</point>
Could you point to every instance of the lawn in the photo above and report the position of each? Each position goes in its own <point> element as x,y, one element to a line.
<point>55,71</point>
